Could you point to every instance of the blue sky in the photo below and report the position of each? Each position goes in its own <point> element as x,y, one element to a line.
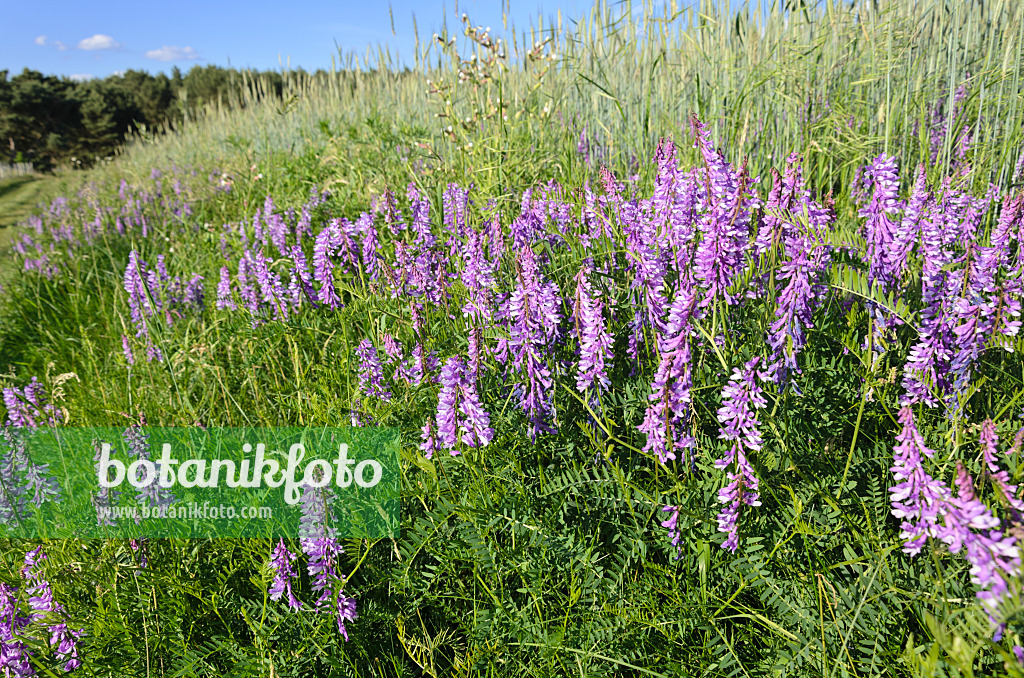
<point>80,39</point>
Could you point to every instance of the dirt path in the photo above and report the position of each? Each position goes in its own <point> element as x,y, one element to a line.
<point>18,197</point>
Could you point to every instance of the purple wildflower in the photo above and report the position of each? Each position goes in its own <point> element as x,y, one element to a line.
<point>533,318</point>
<point>595,342</point>
<point>14,656</point>
<point>455,200</point>
<point>971,526</point>
<point>474,337</point>
<point>459,412</point>
<point>371,244</point>
<point>926,366</point>
<point>740,399</point>
<point>1000,478</point>
<point>420,208</point>
<point>879,227</point>
<point>318,541</point>
<point>138,296</point>
<point>673,206</point>
<point>246,292</point>
<point>793,317</point>
<point>224,300</point>
<point>477,275</point>
<point>429,443</point>
<point>415,367</point>
<point>667,417</point>
<point>346,611</point>
<point>671,523</point>
<point>386,205</point>
<point>269,281</point>
<point>910,226</point>
<point>28,407</point>
<point>277,229</point>
<point>725,221</point>
<point>918,499</point>
<point>320,566</point>
<point>153,293</point>
<point>62,639</point>
<point>40,591</point>
<point>281,560</point>
<point>371,373</point>
<point>495,241</point>
<point>392,349</point>
<point>323,267</point>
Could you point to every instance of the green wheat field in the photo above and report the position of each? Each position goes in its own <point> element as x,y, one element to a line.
<point>700,325</point>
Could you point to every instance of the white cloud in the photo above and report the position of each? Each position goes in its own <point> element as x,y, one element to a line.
<point>42,41</point>
<point>118,73</point>
<point>167,53</point>
<point>98,41</point>
<point>81,77</point>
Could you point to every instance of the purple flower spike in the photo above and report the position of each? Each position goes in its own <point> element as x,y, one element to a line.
<point>595,342</point>
<point>918,499</point>
<point>793,316</point>
<point>671,524</point>
<point>725,221</point>
<point>989,444</point>
<point>28,407</point>
<point>459,412</point>
<point>533,317</point>
<point>371,373</point>
<point>879,227</point>
<point>63,640</point>
<point>969,525</point>
<point>420,208</point>
<point>281,560</point>
<point>455,201</point>
<point>738,419</point>
<point>154,294</point>
<point>429,444</point>
<point>323,267</point>
<point>224,300</point>
<point>666,421</point>
<point>346,612</point>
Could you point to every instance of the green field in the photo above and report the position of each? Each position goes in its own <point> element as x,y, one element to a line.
<point>701,327</point>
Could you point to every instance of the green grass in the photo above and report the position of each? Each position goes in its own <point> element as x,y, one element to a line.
<point>20,197</point>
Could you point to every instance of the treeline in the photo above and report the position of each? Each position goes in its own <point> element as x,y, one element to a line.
<point>52,121</point>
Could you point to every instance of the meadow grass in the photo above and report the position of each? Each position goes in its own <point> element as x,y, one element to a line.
<point>545,558</point>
